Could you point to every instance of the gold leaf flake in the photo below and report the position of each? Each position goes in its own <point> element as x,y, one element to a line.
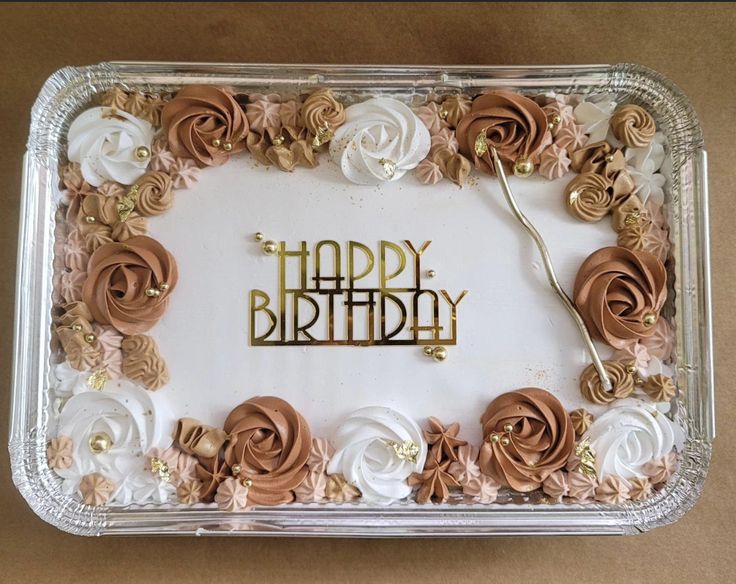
<point>406,450</point>
<point>97,380</point>
<point>481,144</point>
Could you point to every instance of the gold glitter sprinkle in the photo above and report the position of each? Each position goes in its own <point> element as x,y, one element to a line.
<point>160,468</point>
<point>97,380</point>
<point>407,450</point>
<point>587,458</point>
<point>481,145</point>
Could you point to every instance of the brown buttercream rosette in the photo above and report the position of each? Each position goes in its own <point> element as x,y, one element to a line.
<point>271,442</point>
<point>322,112</point>
<point>633,125</point>
<point>511,123</point>
<point>128,284</point>
<point>205,123</point>
<point>540,440</point>
<point>619,293</point>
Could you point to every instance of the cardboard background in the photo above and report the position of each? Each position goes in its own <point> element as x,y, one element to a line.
<point>694,45</point>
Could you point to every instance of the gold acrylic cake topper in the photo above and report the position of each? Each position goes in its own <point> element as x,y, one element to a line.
<point>345,308</point>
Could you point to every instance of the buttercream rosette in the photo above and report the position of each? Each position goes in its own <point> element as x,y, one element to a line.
<point>376,450</point>
<point>620,293</point>
<point>111,430</point>
<point>109,145</point>
<point>527,435</point>
<point>205,123</point>
<point>380,140</point>
<point>128,284</point>
<point>628,436</point>
<point>509,122</point>
<point>271,442</point>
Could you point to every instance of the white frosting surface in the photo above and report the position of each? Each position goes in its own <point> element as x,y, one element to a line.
<point>512,330</point>
<point>365,456</point>
<point>103,140</point>
<point>380,140</point>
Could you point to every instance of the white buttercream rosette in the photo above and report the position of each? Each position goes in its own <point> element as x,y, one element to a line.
<point>380,140</point>
<point>135,420</point>
<point>365,453</point>
<point>104,140</point>
<point>629,435</point>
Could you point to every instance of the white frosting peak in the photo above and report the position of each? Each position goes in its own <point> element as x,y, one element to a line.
<point>380,140</point>
<point>366,453</point>
<point>104,140</point>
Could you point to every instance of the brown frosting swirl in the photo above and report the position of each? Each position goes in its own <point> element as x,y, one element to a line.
<point>205,123</point>
<point>581,420</point>
<point>452,165</point>
<point>198,439</point>
<point>607,161</point>
<point>155,194</point>
<point>143,363</point>
<point>128,284</point>
<point>540,441</point>
<point>456,107</point>
<point>270,441</point>
<point>619,293</point>
<point>77,338</point>
<point>621,379</point>
<point>322,114</point>
<point>660,387</point>
<point>511,123</point>
<point>630,212</point>
<point>633,125</point>
<point>588,197</point>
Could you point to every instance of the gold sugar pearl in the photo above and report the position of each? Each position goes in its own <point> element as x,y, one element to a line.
<point>270,247</point>
<point>153,292</point>
<point>227,146</point>
<point>649,319</point>
<point>505,441</point>
<point>554,121</point>
<point>631,369</point>
<point>164,286</point>
<point>508,428</point>
<point>90,338</point>
<point>248,483</point>
<point>99,442</point>
<point>494,438</point>
<point>278,140</point>
<point>90,219</point>
<point>427,350</point>
<point>443,113</point>
<point>216,142</point>
<point>259,236</point>
<point>609,157</point>
<point>439,354</point>
<point>523,167</point>
<point>431,273</point>
<point>142,153</point>
<point>76,327</point>
<point>236,468</point>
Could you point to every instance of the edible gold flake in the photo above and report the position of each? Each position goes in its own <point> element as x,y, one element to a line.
<point>161,468</point>
<point>389,167</point>
<point>97,380</point>
<point>406,450</point>
<point>481,145</point>
<point>587,458</point>
<point>324,135</point>
<point>632,218</point>
<point>126,205</point>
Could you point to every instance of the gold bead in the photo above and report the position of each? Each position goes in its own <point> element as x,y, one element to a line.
<point>90,338</point>
<point>90,219</point>
<point>431,273</point>
<point>609,157</point>
<point>494,438</point>
<point>164,286</point>
<point>270,247</point>
<point>508,428</point>
<point>649,319</point>
<point>236,468</point>
<point>259,236</point>
<point>227,146</point>
<point>428,350</point>
<point>505,441</point>
<point>99,442</point>
<point>443,114</point>
<point>439,354</point>
<point>76,327</point>
<point>523,167</point>
<point>278,140</point>
<point>152,292</point>
<point>631,369</point>
<point>216,142</point>
<point>556,119</point>
<point>248,483</point>
<point>142,153</point>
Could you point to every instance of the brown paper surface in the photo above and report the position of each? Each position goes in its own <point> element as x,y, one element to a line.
<point>694,45</point>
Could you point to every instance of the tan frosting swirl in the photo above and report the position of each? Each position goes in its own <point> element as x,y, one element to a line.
<point>618,374</point>
<point>539,443</point>
<point>282,157</point>
<point>322,112</point>
<point>515,125</point>
<point>452,165</point>
<point>59,452</point>
<point>143,363</point>
<point>581,420</point>
<point>189,492</point>
<point>633,125</point>
<point>155,193</point>
<point>635,237</point>
<point>660,387</point>
<point>457,107</point>
<point>200,123</point>
<point>588,197</point>
<point>128,284</point>
<point>619,293</point>
<point>607,161</point>
<point>95,489</point>
<point>612,490</point>
<point>271,442</point>
<point>211,472</point>
<point>198,439</point>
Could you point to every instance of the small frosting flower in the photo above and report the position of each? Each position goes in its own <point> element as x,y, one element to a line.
<point>111,354</point>
<point>456,108</point>
<point>431,118</point>
<point>612,490</point>
<point>554,162</point>
<point>142,362</point>
<point>189,492</point>
<point>264,113</point>
<point>161,157</point>
<point>320,455</point>
<point>634,353</point>
<point>434,482</point>
<point>660,387</point>
<point>322,114</point>
<point>527,436</point>
<point>128,284</point>
<point>595,117</point>
<point>640,488</point>
<point>312,488</point>
<point>444,139</point>
<point>204,123</point>
<point>380,141</point>
<point>270,442</point>
<point>559,116</point>
<point>581,420</point>
<point>588,197</point>
<point>658,242</point>
<point>154,194</point>
<point>110,144</point>
<point>377,449</point>
<point>660,469</point>
<point>466,466</point>
<point>581,486</point>
<point>443,441</point>
<point>653,152</point>
<point>483,489</point>
<point>555,486</point>
<point>648,183</point>
<point>628,436</point>
<point>428,173</point>
<point>633,126</point>
<point>59,452</point>
<point>184,173</point>
<point>211,472</point>
<point>511,123</point>
<point>571,137</point>
<point>661,342</point>
<point>634,237</point>
<point>621,379</point>
<point>232,495</point>
<point>620,293</point>
<point>95,489</point>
